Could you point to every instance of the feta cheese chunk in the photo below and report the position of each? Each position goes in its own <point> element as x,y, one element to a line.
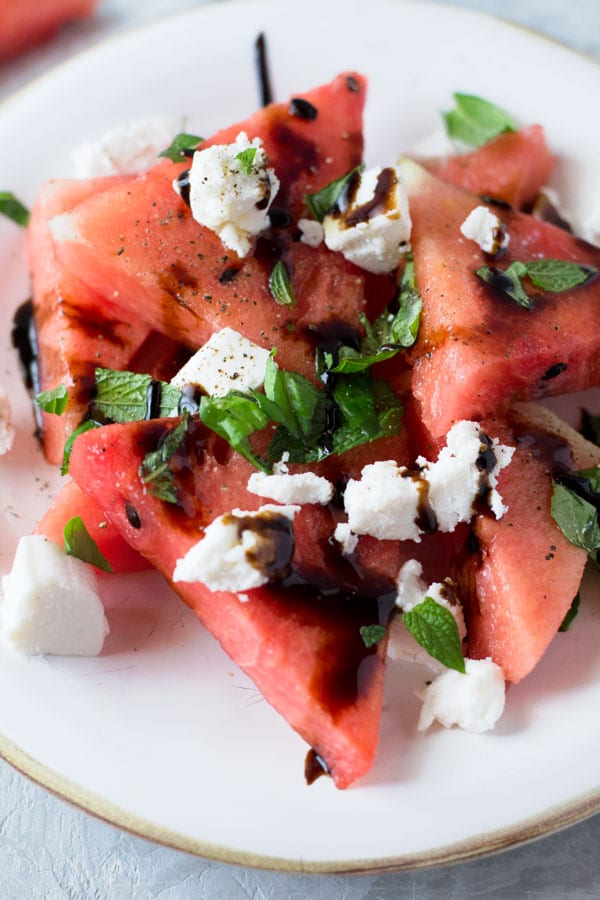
<point>347,540</point>
<point>412,590</point>
<point>311,232</point>
<point>373,230</point>
<point>51,602</point>
<point>227,362</point>
<point>229,198</point>
<point>241,550</point>
<point>384,503</point>
<point>125,150</point>
<point>474,701</point>
<point>486,229</point>
<point>7,432</point>
<point>467,463</point>
<point>305,487</point>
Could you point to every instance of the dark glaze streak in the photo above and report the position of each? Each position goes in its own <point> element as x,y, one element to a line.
<point>228,275</point>
<point>554,371</point>
<point>173,279</point>
<point>298,154</point>
<point>487,459</point>
<point>495,201</point>
<point>302,109</point>
<point>265,92</point>
<point>24,340</point>
<point>275,549</point>
<point>183,186</point>
<point>314,767</point>
<point>153,398</point>
<point>380,202</point>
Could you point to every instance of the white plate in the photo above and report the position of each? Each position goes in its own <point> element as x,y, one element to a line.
<point>162,734</point>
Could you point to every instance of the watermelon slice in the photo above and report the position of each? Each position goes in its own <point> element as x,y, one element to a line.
<point>140,238</point>
<point>478,350</point>
<point>301,647</point>
<point>24,24</point>
<point>516,609</point>
<point>71,501</point>
<point>511,168</point>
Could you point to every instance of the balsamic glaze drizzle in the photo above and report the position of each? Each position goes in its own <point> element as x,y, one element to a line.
<point>262,71</point>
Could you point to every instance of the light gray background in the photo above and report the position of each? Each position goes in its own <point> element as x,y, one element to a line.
<point>52,851</point>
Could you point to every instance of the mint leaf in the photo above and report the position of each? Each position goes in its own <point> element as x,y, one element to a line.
<point>476,121</point>
<point>324,201</point>
<point>372,634</point>
<point>130,397</point>
<point>234,418</point>
<point>13,209</point>
<point>557,275</point>
<point>246,159</point>
<point>280,285</point>
<point>404,326</point>
<point>79,543</point>
<point>434,628</point>
<point>571,614</point>
<point>576,517</point>
<point>508,281</point>
<point>53,401</point>
<point>85,426</point>
<point>367,409</point>
<point>183,145</point>
<point>154,470</point>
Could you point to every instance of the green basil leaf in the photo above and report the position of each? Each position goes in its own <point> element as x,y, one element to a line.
<point>476,121</point>
<point>322,202</point>
<point>79,543</point>
<point>576,518</point>
<point>507,280</point>
<point>280,285</point>
<point>404,327</point>
<point>557,275</point>
<point>180,147</point>
<point>13,209</point>
<point>124,397</point>
<point>85,426</point>
<point>435,629</point>
<point>372,634</point>
<point>155,471</point>
<point>246,159</point>
<point>53,401</point>
<point>235,417</point>
<point>571,614</point>
<point>367,408</point>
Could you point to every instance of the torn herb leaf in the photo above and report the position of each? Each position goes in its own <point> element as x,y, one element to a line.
<point>85,426</point>
<point>372,634</point>
<point>129,397</point>
<point>155,472</point>
<point>53,401</point>
<point>280,285</point>
<point>557,275</point>
<point>435,629</point>
<point>575,515</point>
<point>367,409</point>
<point>508,281</point>
<point>324,201</point>
<point>182,146</point>
<point>246,159</point>
<point>78,542</point>
<point>571,614</point>
<point>13,209</point>
<point>234,418</point>
<point>476,121</point>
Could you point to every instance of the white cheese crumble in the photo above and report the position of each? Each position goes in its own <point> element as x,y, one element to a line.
<point>232,202</point>
<point>306,487</point>
<point>125,150</point>
<point>345,537</point>
<point>384,502</point>
<point>374,230</point>
<point>412,590</point>
<point>311,232</point>
<point>51,602</point>
<point>486,229</point>
<point>227,362</point>
<point>474,701</point>
<point>7,432</point>
<point>228,557</point>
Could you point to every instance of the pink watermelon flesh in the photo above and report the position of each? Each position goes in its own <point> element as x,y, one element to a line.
<point>477,350</point>
<point>141,240</point>
<point>512,168</point>
<point>302,649</point>
<point>77,328</point>
<point>71,501</point>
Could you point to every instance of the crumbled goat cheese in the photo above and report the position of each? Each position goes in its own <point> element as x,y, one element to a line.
<point>311,232</point>
<point>7,432</point>
<point>238,549</point>
<point>486,229</point>
<point>384,503</point>
<point>230,201</point>
<point>227,362</point>
<point>125,150</point>
<point>468,462</point>
<point>374,229</point>
<point>474,701</point>
<point>387,500</point>
<point>412,590</point>
<point>51,602</point>
<point>347,540</point>
<point>305,487</point>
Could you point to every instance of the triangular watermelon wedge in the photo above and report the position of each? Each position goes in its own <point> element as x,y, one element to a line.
<point>301,647</point>
<point>478,351</point>
<point>142,241</point>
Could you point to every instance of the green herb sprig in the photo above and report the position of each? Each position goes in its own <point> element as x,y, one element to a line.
<point>476,121</point>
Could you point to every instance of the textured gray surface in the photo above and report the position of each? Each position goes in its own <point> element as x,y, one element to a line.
<point>49,850</point>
